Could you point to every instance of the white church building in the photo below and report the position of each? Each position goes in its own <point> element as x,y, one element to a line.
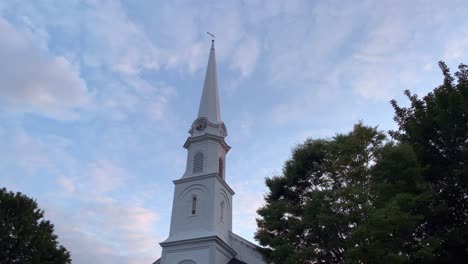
<point>201,221</point>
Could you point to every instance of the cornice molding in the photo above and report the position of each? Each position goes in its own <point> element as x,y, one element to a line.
<point>205,176</point>
<point>221,242</point>
<point>207,136</point>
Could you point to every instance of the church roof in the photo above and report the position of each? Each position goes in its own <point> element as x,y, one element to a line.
<point>236,261</point>
<point>209,103</point>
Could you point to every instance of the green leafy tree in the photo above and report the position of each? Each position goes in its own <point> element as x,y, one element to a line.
<point>399,205</point>
<point>25,237</point>
<point>322,196</point>
<point>436,126</point>
<point>357,199</point>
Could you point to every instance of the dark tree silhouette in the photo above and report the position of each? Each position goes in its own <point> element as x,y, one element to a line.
<point>436,126</point>
<point>312,210</point>
<point>25,236</point>
<point>360,198</point>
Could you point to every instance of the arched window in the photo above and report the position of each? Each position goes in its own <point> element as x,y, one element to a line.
<point>222,211</point>
<point>198,162</point>
<point>194,205</point>
<point>221,168</point>
<point>187,262</point>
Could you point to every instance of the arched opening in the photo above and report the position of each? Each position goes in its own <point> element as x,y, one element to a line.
<point>198,162</point>
<point>187,261</point>
<point>222,211</point>
<point>221,168</point>
<point>194,205</point>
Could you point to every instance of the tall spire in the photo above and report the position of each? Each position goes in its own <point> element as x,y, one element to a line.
<point>209,103</point>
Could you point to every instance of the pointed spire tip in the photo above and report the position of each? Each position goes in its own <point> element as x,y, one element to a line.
<point>209,103</point>
<point>212,39</point>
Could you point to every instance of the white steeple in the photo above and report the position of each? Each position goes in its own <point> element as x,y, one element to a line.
<point>209,103</point>
<point>201,219</point>
<point>207,132</point>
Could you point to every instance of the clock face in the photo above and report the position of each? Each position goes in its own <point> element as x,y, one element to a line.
<point>200,125</point>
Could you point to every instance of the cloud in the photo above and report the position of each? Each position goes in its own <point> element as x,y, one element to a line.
<point>127,55</point>
<point>246,126</point>
<point>67,184</point>
<point>456,48</point>
<point>88,200</point>
<point>119,103</point>
<point>157,108</point>
<point>114,60</point>
<point>178,31</point>
<point>428,67</point>
<point>152,97</point>
<point>103,177</point>
<point>375,82</point>
<point>34,81</point>
<point>245,57</point>
<point>145,42</point>
<point>354,54</point>
<point>312,101</point>
<point>313,64</point>
<point>94,215</point>
<point>135,97</point>
<point>107,232</point>
<point>246,203</point>
<point>126,50</point>
<point>33,154</point>
<point>104,223</point>
<point>165,40</point>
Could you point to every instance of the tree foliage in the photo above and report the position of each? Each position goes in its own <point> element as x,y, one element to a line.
<point>363,198</point>
<point>399,204</point>
<point>323,195</point>
<point>25,237</point>
<point>436,126</point>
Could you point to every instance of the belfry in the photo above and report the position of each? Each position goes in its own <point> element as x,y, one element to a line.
<point>201,220</point>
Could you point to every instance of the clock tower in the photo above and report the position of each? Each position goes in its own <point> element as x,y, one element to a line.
<point>201,220</point>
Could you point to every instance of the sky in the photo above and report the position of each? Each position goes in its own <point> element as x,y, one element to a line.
<point>96,98</point>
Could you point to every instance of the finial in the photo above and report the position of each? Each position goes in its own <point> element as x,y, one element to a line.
<point>212,35</point>
<point>212,39</point>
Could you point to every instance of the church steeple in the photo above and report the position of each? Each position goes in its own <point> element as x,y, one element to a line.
<point>209,103</point>
<point>201,219</point>
<point>202,206</point>
<point>209,117</point>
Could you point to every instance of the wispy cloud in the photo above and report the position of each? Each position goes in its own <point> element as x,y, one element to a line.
<point>95,216</point>
<point>67,184</point>
<point>373,51</point>
<point>456,48</point>
<point>248,200</point>
<point>246,56</point>
<point>103,177</point>
<point>100,232</point>
<point>132,233</point>
<point>34,154</point>
<point>125,75</point>
<point>126,50</point>
<point>32,80</point>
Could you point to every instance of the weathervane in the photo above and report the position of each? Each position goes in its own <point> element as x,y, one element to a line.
<point>212,35</point>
